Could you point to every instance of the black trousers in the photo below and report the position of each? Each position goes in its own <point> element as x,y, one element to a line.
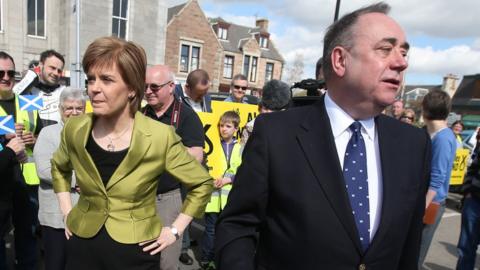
<point>55,247</point>
<point>101,252</point>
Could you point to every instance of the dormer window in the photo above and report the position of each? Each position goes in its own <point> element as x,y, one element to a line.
<point>222,33</point>
<point>263,42</point>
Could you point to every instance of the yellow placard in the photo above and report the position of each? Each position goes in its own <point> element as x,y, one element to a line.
<point>247,112</point>
<point>459,167</point>
<point>88,107</point>
<point>213,147</point>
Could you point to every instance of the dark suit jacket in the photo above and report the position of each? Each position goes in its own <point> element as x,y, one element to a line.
<point>290,190</point>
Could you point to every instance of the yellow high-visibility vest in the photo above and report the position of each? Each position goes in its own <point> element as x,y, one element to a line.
<point>29,120</point>
<point>219,197</point>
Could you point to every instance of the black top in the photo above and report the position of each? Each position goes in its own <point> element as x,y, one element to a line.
<point>8,106</point>
<point>187,125</point>
<point>8,163</point>
<point>105,161</point>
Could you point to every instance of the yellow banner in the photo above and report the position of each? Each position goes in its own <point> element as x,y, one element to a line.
<point>213,147</point>
<point>459,167</point>
<point>247,112</point>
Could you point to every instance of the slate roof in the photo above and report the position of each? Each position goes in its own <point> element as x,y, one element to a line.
<point>237,36</point>
<point>174,11</point>
<point>468,92</point>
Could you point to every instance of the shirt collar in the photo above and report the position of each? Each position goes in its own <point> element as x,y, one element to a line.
<point>340,121</point>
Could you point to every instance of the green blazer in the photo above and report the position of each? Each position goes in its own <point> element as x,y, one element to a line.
<point>126,205</point>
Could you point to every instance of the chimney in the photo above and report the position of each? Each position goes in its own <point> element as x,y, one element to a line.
<point>262,24</point>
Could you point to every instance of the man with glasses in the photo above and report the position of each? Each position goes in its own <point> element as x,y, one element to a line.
<point>23,200</point>
<point>238,87</point>
<point>51,71</point>
<point>164,107</point>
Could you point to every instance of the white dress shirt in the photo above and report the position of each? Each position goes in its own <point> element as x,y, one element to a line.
<point>340,122</point>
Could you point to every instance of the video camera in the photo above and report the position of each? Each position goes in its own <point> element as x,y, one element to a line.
<point>312,86</point>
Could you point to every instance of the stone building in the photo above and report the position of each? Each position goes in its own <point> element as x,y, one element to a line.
<point>29,27</point>
<point>221,48</point>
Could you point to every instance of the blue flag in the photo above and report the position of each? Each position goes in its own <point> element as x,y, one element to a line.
<point>30,102</point>
<point>7,124</point>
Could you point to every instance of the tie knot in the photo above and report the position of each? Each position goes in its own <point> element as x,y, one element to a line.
<point>355,127</point>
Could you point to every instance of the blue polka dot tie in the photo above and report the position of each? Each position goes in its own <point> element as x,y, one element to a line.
<point>356,182</point>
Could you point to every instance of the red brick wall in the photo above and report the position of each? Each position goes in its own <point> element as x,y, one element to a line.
<point>191,23</point>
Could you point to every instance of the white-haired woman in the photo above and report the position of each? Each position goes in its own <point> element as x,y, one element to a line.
<point>72,103</point>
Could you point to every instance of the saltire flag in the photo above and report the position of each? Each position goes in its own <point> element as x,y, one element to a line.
<point>7,124</point>
<point>30,102</point>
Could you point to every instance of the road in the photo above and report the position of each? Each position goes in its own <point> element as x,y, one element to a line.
<point>441,256</point>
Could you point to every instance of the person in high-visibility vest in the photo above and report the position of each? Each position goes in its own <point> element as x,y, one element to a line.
<point>227,127</point>
<point>24,199</point>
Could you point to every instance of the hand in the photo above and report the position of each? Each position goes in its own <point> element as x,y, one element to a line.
<point>165,239</point>
<point>19,129</point>
<point>68,233</point>
<point>17,145</point>
<point>220,182</point>
<point>29,138</point>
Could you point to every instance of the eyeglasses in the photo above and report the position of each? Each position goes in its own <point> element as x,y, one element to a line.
<point>10,73</point>
<point>238,87</point>
<point>408,117</point>
<point>79,109</point>
<point>156,87</point>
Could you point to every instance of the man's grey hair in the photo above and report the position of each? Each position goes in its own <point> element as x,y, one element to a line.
<point>341,33</point>
<point>238,77</point>
<point>70,93</point>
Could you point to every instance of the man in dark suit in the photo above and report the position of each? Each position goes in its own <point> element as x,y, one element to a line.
<point>336,185</point>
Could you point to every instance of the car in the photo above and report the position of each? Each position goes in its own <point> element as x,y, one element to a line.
<point>221,96</point>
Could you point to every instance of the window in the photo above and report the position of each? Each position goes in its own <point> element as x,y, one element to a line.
<point>119,18</point>
<point>269,72</point>
<point>250,64</point>
<point>253,73</point>
<point>1,15</point>
<point>222,33</point>
<point>189,58</point>
<point>246,65</point>
<point>263,42</point>
<point>36,18</point>
<point>228,67</point>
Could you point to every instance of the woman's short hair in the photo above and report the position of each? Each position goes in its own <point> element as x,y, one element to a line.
<point>71,93</point>
<point>129,58</point>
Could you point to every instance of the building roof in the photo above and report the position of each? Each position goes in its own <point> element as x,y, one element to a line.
<point>468,92</point>
<point>238,35</point>
<point>174,11</point>
<point>408,88</point>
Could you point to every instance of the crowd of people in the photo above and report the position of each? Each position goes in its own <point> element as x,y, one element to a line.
<point>335,185</point>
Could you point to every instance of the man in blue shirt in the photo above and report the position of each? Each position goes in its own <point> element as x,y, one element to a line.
<point>238,87</point>
<point>436,107</point>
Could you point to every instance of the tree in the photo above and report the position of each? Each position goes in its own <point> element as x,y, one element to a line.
<point>295,70</point>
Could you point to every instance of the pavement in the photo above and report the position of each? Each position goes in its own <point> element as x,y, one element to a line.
<point>442,254</point>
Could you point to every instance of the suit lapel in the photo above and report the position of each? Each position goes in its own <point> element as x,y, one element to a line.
<point>81,134</point>
<point>139,145</point>
<point>388,143</point>
<point>317,142</point>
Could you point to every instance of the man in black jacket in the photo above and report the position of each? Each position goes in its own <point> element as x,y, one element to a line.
<point>470,230</point>
<point>335,185</point>
<point>8,158</point>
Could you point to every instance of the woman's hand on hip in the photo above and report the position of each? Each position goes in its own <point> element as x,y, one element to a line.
<point>68,233</point>
<point>165,239</point>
